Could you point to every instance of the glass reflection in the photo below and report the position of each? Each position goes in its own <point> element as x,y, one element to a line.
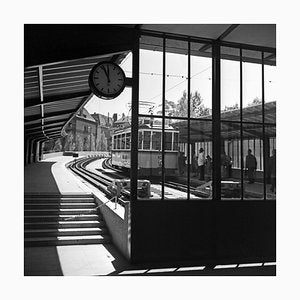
<point>270,133</point>
<point>253,156</point>
<point>230,84</point>
<point>252,86</point>
<point>150,157</point>
<point>200,159</point>
<point>176,157</point>
<point>231,184</point>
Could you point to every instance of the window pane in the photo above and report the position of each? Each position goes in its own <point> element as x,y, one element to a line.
<point>230,84</point>
<point>270,132</point>
<point>253,148</point>
<point>128,140</point>
<point>156,140</point>
<point>200,160</point>
<point>150,81</point>
<point>175,160</point>
<point>146,140</point>
<point>168,141</point>
<point>150,159</point>
<point>140,145</point>
<point>252,86</point>
<point>175,141</point>
<point>176,78</point>
<point>123,141</point>
<point>115,142</point>
<point>201,83</point>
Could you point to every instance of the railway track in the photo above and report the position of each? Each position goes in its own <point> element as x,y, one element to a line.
<point>79,168</point>
<point>99,180</point>
<point>174,185</point>
<point>103,178</point>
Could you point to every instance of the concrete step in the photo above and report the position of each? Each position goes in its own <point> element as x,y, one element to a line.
<point>31,205</point>
<point>77,231</point>
<point>59,200</point>
<point>64,224</point>
<point>66,240</point>
<point>61,217</point>
<point>51,195</point>
<point>55,211</point>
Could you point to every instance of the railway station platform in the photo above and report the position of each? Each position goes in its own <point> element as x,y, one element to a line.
<point>51,177</point>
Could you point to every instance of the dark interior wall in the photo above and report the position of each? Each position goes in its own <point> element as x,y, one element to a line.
<point>206,231</point>
<point>48,43</point>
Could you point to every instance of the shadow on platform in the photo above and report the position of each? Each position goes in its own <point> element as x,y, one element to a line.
<point>39,178</point>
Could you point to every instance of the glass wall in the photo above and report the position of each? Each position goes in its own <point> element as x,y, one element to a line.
<point>248,109</point>
<point>176,103</point>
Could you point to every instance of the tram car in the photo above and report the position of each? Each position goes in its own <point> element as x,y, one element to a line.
<point>150,146</point>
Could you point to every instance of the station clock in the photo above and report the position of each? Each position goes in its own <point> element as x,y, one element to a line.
<point>107,80</point>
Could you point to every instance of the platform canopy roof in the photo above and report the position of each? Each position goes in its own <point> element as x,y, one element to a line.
<point>59,57</point>
<point>201,129</point>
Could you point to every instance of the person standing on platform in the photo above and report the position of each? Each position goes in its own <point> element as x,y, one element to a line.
<point>201,164</point>
<point>272,169</point>
<point>208,164</point>
<point>194,164</point>
<point>251,165</point>
<point>180,163</point>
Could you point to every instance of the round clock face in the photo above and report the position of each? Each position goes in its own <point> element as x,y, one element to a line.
<point>107,80</point>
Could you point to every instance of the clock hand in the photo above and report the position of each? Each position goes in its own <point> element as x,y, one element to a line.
<point>106,73</point>
<point>108,79</point>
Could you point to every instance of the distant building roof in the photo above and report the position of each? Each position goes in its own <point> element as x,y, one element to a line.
<point>122,120</point>
<point>102,119</point>
<point>85,115</point>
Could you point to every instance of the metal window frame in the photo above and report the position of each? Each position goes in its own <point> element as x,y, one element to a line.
<point>216,109</point>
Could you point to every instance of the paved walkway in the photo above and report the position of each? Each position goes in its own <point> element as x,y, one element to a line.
<point>51,176</point>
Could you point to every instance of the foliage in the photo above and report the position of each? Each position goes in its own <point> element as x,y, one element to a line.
<point>57,146</point>
<point>255,101</point>
<point>181,108</point>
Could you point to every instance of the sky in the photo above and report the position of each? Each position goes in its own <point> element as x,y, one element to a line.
<point>176,73</point>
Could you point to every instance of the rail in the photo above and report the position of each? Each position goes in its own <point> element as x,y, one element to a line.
<point>101,182</point>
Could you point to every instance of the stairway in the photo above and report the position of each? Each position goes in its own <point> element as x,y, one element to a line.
<point>57,220</point>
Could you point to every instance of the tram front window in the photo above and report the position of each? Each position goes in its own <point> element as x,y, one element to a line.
<point>115,143</point>
<point>128,135</point>
<point>140,140</point>
<point>175,143</point>
<point>156,141</point>
<point>168,141</point>
<point>147,136</point>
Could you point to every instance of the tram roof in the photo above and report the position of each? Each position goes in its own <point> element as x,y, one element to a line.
<point>59,57</point>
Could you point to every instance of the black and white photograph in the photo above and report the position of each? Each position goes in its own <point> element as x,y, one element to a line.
<point>149,150</point>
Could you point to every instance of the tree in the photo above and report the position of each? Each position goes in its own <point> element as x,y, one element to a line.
<point>57,146</point>
<point>255,101</point>
<point>68,145</point>
<point>79,142</point>
<point>197,107</point>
